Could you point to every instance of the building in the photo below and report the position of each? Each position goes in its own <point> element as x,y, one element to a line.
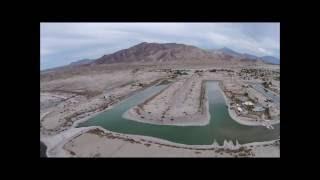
<point>258,109</point>
<point>248,103</point>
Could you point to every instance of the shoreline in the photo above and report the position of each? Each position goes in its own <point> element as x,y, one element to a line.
<point>44,137</point>
<point>239,119</point>
<point>59,151</point>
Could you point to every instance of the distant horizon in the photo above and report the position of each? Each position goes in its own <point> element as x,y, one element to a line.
<point>139,43</point>
<point>64,43</point>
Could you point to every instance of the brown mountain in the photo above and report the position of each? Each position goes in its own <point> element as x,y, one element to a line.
<point>166,53</point>
<point>156,52</point>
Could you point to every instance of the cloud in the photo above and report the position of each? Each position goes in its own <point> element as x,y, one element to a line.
<point>62,43</point>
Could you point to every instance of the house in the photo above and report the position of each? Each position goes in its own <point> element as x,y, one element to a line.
<point>258,109</point>
<point>245,85</point>
<point>248,103</point>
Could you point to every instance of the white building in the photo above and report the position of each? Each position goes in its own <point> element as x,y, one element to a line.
<point>248,103</point>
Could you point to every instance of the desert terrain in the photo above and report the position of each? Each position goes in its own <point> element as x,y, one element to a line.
<point>70,95</point>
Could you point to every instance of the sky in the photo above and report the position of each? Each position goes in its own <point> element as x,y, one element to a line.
<point>63,43</point>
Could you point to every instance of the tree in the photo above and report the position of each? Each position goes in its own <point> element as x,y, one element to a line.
<point>265,84</point>
<point>267,112</point>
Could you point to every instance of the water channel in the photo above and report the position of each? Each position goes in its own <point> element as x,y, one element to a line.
<point>221,126</point>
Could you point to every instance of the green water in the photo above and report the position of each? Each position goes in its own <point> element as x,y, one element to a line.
<point>221,127</point>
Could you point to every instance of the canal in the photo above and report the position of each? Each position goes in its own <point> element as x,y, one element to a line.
<point>221,126</point>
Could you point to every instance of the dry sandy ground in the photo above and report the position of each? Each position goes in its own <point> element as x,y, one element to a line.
<point>63,101</point>
<point>183,103</point>
<point>94,84</point>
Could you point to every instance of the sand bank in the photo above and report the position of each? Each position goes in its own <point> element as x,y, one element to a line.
<point>104,143</point>
<point>181,104</point>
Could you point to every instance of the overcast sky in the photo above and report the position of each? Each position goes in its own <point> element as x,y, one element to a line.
<point>62,43</point>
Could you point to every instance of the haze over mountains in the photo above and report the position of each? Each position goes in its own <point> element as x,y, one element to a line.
<point>173,52</point>
<point>80,62</point>
<point>266,59</point>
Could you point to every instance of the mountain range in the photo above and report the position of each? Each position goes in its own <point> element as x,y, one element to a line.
<point>173,52</point>
<point>266,59</point>
<point>157,53</point>
<point>81,62</point>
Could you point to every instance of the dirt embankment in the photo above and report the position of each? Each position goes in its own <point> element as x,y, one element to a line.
<point>184,102</point>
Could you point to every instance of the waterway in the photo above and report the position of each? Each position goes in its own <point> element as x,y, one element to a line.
<point>220,128</point>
